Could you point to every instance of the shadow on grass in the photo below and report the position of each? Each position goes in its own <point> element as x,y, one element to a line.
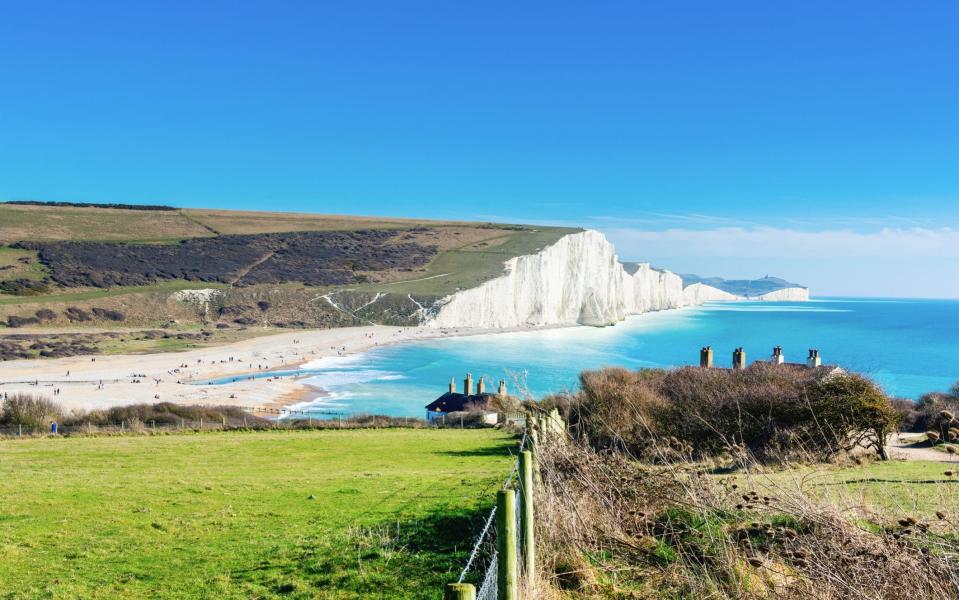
<point>412,558</point>
<point>505,451</point>
<point>878,480</point>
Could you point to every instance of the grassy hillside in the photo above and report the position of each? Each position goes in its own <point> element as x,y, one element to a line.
<point>341,514</point>
<point>47,223</point>
<point>58,259</point>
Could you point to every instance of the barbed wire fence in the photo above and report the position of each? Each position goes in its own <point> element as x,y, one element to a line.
<point>504,550</point>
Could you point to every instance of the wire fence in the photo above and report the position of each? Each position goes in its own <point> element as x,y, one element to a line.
<point>482,565</point>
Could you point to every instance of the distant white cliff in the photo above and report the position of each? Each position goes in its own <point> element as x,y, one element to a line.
<point>577,280</point>
<point>790,294</point>
<point>698,293</point>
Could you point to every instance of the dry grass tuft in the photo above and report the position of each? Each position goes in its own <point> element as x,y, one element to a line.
<point>612,526</point>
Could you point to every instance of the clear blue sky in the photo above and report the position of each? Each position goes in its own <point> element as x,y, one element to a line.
<point>675,127</point>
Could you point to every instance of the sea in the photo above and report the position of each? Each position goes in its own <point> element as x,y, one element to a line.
<point>909,347</point>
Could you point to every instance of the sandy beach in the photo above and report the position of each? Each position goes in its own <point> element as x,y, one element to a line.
<point>87,382</point>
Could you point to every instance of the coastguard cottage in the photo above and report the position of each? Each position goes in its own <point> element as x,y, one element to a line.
<point>813,361</point>
<point>466,401</point>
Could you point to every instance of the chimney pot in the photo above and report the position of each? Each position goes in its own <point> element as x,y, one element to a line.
<point>739,359</point>
<point>777,358</point>
<point>813,360</point>
<point>706,357</point>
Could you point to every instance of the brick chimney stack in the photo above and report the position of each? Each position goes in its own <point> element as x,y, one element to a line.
<point>739,359</point>
<point>777,357</point>
<point>813,361</point>
<point>468,384</point>
<point>480,386</point>
<point>452,385</point>
<point>706,357</point>
<point>502,387</point>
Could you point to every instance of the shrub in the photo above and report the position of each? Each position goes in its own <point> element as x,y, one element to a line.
<point>770,410</point>
<point>163,413</point>
<point>14,321</point>
<point>77,314</point>
<point>29,411</point>
<point>24,287</point>
<point>45,314</point>
<point>929,408</point>
<point>110,315</point>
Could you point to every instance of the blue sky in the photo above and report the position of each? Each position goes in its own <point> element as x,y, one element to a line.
<point>814,140</point>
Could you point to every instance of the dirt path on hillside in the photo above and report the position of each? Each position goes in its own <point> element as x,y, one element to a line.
<point>905,446</point>
<point>242,272</point>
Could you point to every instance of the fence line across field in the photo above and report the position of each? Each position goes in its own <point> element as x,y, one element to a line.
<point>170,423</point>
<point>504,554</point>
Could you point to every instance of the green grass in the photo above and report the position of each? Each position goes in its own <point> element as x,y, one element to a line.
<point>40,223</point>
<point>895,487</point>
<point>473,264</point>
<point>336,514</point>
<point>10,257</point>
<point>98,293</point>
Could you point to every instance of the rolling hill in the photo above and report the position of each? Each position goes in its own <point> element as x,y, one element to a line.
<point>218,272</point>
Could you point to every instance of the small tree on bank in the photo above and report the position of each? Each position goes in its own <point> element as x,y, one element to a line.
<point>29,411</point>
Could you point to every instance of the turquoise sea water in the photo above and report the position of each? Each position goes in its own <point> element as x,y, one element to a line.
<point>907,346</point>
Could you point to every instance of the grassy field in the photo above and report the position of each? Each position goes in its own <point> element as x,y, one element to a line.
<point>71,295</point>
<point>341,514</point>
<point>41,223</point>
<point>875,491</point>
<point>20,264</point>
<point>246,221</point>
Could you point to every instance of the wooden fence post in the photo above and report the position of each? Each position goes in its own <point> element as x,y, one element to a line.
<point>507,585</point>
<point>460,591</point>
<point>527,529</point>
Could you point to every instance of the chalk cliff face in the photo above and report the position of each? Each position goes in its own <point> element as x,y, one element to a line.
<point>791,294</point>
<point>650,289</point>
<point>577,280</point>
<point>698,293</point>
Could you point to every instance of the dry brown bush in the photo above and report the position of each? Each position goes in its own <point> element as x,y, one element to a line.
<point>29,411</point>
<point>769,409</point>
<point>613,527</point>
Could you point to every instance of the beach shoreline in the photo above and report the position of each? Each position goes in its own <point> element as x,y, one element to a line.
<point>103,381</point>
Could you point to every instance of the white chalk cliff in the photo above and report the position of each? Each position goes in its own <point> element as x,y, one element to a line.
<point>697,293</point>
<point>790,294</point>
<point>577,280</point>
